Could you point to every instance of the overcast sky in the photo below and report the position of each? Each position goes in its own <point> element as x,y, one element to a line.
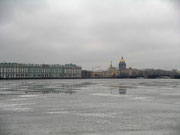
<point>91,33</point>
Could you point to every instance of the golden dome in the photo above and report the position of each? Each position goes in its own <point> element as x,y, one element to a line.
<point>122,60</point>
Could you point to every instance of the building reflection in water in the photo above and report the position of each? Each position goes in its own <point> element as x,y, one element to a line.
<point>122,90</point>
<point>20,88</point>
<point>51,92</point>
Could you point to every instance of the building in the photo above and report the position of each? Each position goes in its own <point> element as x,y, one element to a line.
<point>86,74</point>
<point>98,74</point>
<point>17,71</point>
<point>122,71</point>
<point>112,71</point>
<point>122,64</point>
<point>72,71</point>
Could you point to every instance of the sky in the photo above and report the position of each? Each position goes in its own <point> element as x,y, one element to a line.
<point>91,33</point>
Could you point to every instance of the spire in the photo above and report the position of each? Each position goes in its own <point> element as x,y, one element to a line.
<point>111,64</point>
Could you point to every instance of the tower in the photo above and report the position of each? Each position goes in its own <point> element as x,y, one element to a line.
<point>111,64</point>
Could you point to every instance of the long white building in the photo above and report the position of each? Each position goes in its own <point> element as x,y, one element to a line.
<point>17,71</point>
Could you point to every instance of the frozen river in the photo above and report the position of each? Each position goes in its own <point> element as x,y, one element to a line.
<point>90,107</point>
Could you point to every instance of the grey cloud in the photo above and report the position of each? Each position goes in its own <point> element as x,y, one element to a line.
<point>91,33</point>
<point>9,9</point>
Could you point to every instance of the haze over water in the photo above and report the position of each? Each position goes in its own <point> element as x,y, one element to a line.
<point>90,107</point>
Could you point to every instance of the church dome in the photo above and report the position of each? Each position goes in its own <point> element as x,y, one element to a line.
<point>122,60</point>
<point>122,64</point>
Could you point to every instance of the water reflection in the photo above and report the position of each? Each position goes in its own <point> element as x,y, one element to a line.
<point>51,92</point>
<point>40,87</point>
<point>122,91</point>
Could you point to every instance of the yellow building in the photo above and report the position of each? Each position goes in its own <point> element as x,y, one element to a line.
<point>111,72</point>
<point>98,74</point>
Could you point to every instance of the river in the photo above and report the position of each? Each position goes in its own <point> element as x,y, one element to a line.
<point>90,107</point>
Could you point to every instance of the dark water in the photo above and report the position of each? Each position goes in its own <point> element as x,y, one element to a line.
<point>90,107</point>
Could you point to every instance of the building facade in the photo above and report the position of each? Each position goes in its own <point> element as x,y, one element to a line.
<point>86,74</point>
<point>17,71</point>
